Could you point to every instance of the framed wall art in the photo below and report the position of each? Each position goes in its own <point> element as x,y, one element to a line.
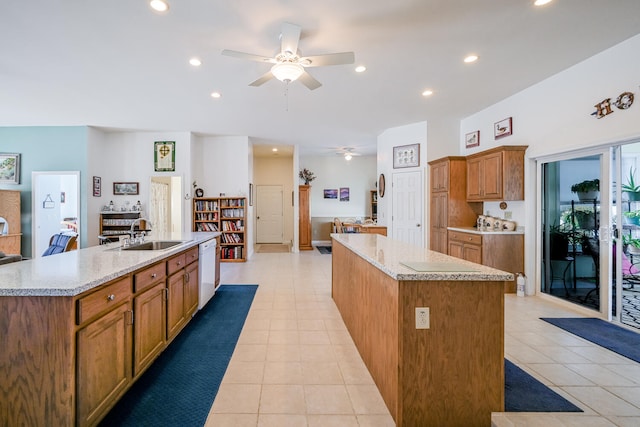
<point>9,168</point>
<point>164,156</point>
<point>330,193</point>
<point>406,156</point>
<point>97,186</point>
<point>126,188</point>
<point>502,128</point>
<point>344,194</point>
<point>472,139</point>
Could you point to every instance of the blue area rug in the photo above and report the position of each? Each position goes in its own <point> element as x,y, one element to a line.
<point>612,337</point>
<point>179,388</point>
<point>523,393</point>
<point>324,249</point>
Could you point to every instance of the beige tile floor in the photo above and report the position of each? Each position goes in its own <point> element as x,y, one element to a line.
<point>296,365</point>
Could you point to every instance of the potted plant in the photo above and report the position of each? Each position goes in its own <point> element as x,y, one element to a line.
<point>632,217</point>
<point>587,190</point>
<point>307,175</point>
<point>630,244</point>
<point>632,190</point>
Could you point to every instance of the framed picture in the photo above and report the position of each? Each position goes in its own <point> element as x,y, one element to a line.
<point>9,168</point>
<point>502,128</point>
<point>406,156</point>
<point>330,193</point>
<point>472,139</point>
<point>125,188</point>
<point>344,194</point>
<point>97,186</point>
<point>164,156</point>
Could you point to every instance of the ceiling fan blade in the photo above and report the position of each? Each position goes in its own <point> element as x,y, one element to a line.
<point>290,37</point>
<point>308,80</point>
<point>263,79</point>
<point>249,56</point>
<point>328,59</point>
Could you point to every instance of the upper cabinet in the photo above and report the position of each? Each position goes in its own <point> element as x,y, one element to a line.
<point>496,174</point>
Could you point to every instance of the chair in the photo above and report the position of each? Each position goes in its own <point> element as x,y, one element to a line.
<point>591,246</point>
<point>337,225</point>
<point>60,243</point>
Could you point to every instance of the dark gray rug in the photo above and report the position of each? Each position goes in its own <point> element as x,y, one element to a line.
<point>179,388</point>
<point>523,393</point>
<point>612,337</point>
<point>324,249</point>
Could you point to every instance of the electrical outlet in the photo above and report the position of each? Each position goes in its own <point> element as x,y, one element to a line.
<point>422,317</point>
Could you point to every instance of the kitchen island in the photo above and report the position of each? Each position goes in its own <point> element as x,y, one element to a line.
<point>78,328</point>
<point>452,372</point>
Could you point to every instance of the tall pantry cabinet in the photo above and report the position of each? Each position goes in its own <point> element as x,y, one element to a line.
<point>449,207</point>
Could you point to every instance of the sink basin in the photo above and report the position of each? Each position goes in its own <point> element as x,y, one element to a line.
<point>154,246</point>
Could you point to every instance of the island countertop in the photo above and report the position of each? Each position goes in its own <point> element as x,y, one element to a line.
<point>388,255</point>
<point>71,273</point>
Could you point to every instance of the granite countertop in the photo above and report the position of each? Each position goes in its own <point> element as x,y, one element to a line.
<point>71,273</point>
<point>388,255</point>
<point>474,230</point>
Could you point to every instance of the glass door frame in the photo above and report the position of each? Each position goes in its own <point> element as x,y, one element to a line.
<point>604,233</point>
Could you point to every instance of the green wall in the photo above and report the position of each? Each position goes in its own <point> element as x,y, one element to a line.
<point>46,148</point>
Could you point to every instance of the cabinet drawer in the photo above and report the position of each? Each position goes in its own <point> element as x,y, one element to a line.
<point>104,299</point>
<point>192,255</point>
<point>474,239</point>
<point>147,277</point>
<point>176,263</point>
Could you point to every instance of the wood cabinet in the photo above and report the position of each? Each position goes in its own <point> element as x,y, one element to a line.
<point>502,251</point>
<point>10,210</point>
<point>103,349</point>
<point>227,215</point>
<point>182,290</point>
<point>449,207</point>
<point>496,174</point>
<point>304,219</point>
<point>70,358</point>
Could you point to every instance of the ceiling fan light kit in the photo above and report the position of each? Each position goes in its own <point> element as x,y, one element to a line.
<point>289,64</point>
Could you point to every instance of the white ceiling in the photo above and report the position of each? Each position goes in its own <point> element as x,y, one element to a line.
<point>118,64</point>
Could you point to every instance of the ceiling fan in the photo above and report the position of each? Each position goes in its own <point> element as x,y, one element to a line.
<point>289,64</point>
<point>347,152</point>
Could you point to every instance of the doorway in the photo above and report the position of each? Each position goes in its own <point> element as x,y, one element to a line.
<point>55,204</point>
<point>407,212</point>
<point>165,204</point>
<point>269,214</point>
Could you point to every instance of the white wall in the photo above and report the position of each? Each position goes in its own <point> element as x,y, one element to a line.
<point>415,133</point>
<point>358,174</point>
<point>554,116</point>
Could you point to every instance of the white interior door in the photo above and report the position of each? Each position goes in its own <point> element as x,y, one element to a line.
<point>269,214</point>
<point>407,209</point>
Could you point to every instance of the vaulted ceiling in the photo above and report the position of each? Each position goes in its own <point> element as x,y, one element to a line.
<point>118,64</point>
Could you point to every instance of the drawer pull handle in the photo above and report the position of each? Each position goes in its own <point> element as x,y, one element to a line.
<point>179,263</point>
<point>470,238</point>
<point>111,297</point>
<point>154,275</point>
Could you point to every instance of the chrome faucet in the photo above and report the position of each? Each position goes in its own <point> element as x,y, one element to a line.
<point>140,237</point>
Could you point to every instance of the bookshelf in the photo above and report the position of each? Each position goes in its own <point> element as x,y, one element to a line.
<point>374,205</point>
<point>228,216</point>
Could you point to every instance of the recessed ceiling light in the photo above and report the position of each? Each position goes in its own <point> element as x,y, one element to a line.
<point>215,95</point>
<point>361,69</point>
<point>274,149</point>
<point>471,58</point>
<point>195,62</point>
<point>427,92</point>
<point>541,2</point>
<point>159,5</point>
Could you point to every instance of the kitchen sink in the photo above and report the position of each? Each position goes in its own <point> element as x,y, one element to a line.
<point>157,245</point>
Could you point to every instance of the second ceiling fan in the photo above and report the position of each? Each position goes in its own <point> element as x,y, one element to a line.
<point>289,64</point>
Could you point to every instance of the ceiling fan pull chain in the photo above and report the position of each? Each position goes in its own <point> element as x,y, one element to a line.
<point>286,97</point>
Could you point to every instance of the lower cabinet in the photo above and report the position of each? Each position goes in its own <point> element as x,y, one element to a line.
<point>149,326</point>
<point>502,251</point>
<point>103,363</point>
<point>191,289</point>
<point>182,290</point>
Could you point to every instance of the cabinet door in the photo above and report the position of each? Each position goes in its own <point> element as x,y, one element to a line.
<point>474,179</point>
<point>103,363</point>
<point>149,326</point>
<point>456,249</point>
<point>439,221</point>
<point>472,253</point>
<point>218,250</point>
<point>175,304</point>
<point>191,289</point>
<point>440,176</point>
<point>492,176</point>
